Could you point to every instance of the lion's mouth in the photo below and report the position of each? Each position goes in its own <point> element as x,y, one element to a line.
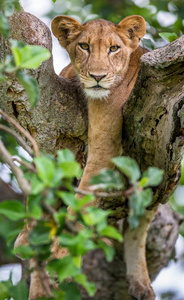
<point>98,87</point>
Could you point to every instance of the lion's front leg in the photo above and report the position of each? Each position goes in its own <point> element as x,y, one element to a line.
<point>135,259</point>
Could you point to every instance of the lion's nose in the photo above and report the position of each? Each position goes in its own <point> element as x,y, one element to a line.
<point>98,77</point>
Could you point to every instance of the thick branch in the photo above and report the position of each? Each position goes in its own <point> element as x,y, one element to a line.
<point>60,118</point>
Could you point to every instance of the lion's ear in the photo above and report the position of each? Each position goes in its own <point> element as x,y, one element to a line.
<point>66,29</point>
<point>132,28</point>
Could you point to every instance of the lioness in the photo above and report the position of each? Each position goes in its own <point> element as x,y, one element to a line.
<point>106,59</point>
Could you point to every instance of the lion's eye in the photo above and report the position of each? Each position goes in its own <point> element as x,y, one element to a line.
<point>84,46</point>
<point>113,48</point>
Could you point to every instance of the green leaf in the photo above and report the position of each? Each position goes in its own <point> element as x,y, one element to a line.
<point>168,36</point>
<point>151,177</point>
<point>89,286</point>
<point>64,268</point>
<point>25,252</point>
<point>71,291</point>
<point>182,172</point>
<point>65,156</point>
<point>79,244</point>
<point>33,56</point>
<point>69,199</point>
<point>45,168</point>
<point>71,169</point>
<point>137,203</point>
<point>148,43</point>
<point>108,179</point>
<point>37,186</point>
<point>109,251</point>
<point>95,216</point>
<point>85,200</point>
<point>34,206</point>
<point>112,232</point>
<point>10,291</point>
<point>16,46</point>
<point>41,234</point>
<point>13,210</point>
<point>28,56</point>
<point>4,26</point>
<point>19,291</point>
<point>66,161</point>
<point>60,216</point>
<point>30,85</point>
<point>4,294</point>
<point>128,166</point>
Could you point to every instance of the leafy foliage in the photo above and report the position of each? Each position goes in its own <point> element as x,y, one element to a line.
<point>24,56</point>
<point>168,36</point>
<point>52,184</point>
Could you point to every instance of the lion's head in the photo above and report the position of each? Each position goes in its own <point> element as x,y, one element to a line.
<point>99,50</point>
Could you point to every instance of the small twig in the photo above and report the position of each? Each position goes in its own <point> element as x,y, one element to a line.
<point>22,130</point>
<point>19,139</point>
<point>49,209</point>
<point>126,193</point>
<point>25,164</point>
<point>6,157</point>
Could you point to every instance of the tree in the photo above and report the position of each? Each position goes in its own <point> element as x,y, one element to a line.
<point>60,121</point>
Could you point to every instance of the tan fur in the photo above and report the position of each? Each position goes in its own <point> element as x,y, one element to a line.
<point>119,70</point>
<point>107,78</point>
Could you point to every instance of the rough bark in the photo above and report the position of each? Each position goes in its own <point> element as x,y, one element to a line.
<point>152,133</point>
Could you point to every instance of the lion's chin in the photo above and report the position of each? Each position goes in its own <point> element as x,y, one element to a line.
<point>96,93</point>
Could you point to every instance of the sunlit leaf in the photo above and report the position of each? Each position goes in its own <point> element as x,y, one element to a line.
<point>127,166</point>
<point>94,216</point>
<point>28,56</point>
<point>4,294</point>
<point>65,155</point>
<point>45,168</point>
<point>168,36</point>
<point>69,199</point>
<point>151,177</point>
<point>112,232</point>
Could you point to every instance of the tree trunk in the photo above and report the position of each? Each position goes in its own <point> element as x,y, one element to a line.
<point>153,131</point>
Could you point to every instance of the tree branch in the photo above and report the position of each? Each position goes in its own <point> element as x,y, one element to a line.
<point>19,139</point>
<point>92,192</point>
<point>22,130</point>
<point>6,157</point>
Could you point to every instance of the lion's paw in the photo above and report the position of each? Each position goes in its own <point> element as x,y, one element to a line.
<point>140,290</point>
